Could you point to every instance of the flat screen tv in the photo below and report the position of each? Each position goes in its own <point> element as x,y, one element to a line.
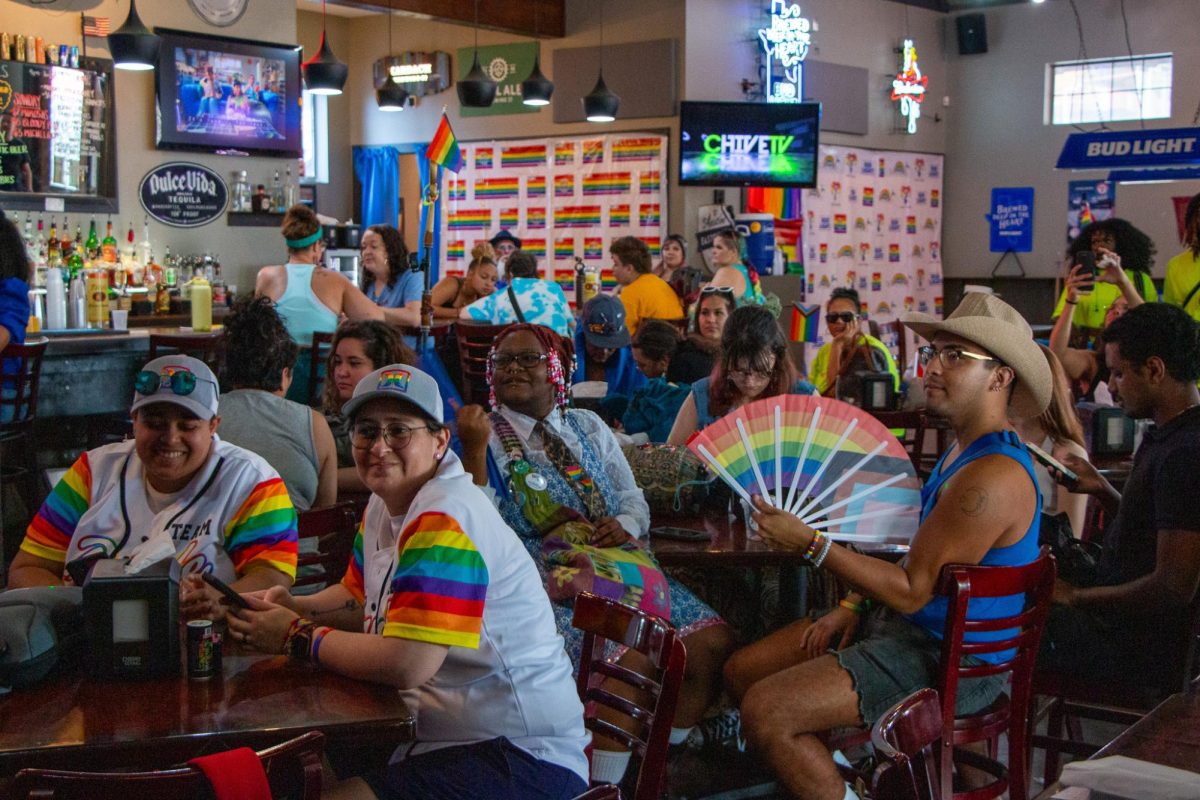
<point>748,144</point>
<point>218,94</point>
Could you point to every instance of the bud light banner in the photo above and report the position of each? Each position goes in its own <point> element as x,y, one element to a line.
<point>1165,147</point>
<point>183,195</point>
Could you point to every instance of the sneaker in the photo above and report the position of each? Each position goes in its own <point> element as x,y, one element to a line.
<point>722,730</point>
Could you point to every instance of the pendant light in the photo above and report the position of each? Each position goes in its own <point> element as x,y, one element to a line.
<point>537,88</point>
<point>323,73</point>
<point>476,90</point>
<point>133,45</point>
<point>600,105</point>
<point>391,96</point>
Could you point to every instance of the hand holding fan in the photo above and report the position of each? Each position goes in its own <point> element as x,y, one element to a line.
<point>831,464</point>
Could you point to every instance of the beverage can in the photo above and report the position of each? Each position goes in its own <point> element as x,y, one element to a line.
<point>5,50</point>
<point>19,47</point>
<point>39,51</point>
<point>97,297</point>
<point>64,55</point>
<point>74,56</point>
<point>201,663</point>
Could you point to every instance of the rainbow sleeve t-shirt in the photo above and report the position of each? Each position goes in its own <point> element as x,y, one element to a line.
<point>50,532</point>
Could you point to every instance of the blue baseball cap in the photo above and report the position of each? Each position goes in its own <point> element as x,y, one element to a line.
<point>603,322</point>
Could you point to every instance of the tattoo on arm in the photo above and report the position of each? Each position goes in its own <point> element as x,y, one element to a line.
<point>974,502</point>
<point>349,605</point>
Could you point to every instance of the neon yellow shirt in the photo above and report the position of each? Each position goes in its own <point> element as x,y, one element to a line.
<point>820,366</point>
<point>649,297</point>
<point>1090,311</point>
<point>1183,275</point>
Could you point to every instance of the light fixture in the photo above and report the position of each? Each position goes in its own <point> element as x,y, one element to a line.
<point>476,90</point>
<point>391,96</point>
<point>323,73</point>
<point>537,88</point>
<point>600,105</point>
<point>133,45</point>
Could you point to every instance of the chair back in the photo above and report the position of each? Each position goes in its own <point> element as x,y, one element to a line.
<point>904,739</point>
<point>333,529</point>
<point>897,327</point>
<point>293,770</point>
<point>474,343</point>
<point>602,621</point>
<point>322,343</point>
<point>208,347</point>
<point>608,791</point>
<point>18,404</point>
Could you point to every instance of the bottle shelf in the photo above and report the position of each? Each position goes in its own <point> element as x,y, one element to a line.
<point>253,219</point>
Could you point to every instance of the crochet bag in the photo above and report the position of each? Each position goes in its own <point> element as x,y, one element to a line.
<point>672,479</point>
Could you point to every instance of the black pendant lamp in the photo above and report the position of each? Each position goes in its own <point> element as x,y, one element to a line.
<point>133,45</point>
<point>537,88</point>
<point>323,73</point>
<point>476,90</point>
<point>600,105</point>
<point>391,96</point>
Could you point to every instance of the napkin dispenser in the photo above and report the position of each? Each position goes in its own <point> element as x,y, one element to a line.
<point>877,391</point>
<point>133,620</point>
<point>1106,429</point>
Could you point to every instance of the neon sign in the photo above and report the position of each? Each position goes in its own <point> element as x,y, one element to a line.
<point>909,87</point>
<point>786,41</point>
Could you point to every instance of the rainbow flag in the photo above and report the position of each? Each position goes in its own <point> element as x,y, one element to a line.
<point>806,323</point>
<point>509,217</point>
<point>527,156</point>
<point>564,248</point>
<point>536,247</point>
<point>443,150</point>
<point>465,218</point>
<point>566,282</point>
<point>535,187</point>
<point>618,216</point>
<point>877,280</point>
<point>911,224</point>
<point>653,243</point>
<point>636,149</point>
<point>564,185</point>
<point>608,281</point>
<point>577,217</point>
<point>894,253</point>
<point>650,182</point>
<point>564,154</point>
<point>483,158</point>
<point>823,252</point>
<point>497,188</point>
<point>603,183</point>
<point>839,223</point>
<point>935,198</point>
<point>456,250</point>
<point>868,195</point>
<point>457,190</point>
<point>593,151</point>
<point>593,247</point>
<point>649,216</point>
<point>535,218</point>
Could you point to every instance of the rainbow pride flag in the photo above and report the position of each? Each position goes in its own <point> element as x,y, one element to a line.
<point>618,216</point>
<point>894,253</point>
<point>497,188</point>
<point>935,198</point>
<point>535,187</point>
<point>525,156</point>
<point>868,196</point>
<point>653,243</point>
<point>608,281</point>
<point>603,183</point>
<point>593,247</point>
<point>509,217</point>
<point>593,151</point>
<point>456,250</point>
<point>636,149</point>
<point>911,224</point>
<point>566,281</point>
<point>467,218</point>
<point>564,185</point>
<point>443,149</point>
<point>457,190</point>
<point>650,182</point>
<point>839,223</point>
<point>806,323</point>
<point>564,154</point>
<point>535,218</point>
<point>483,158</point>
<point>564,247</point>
<point>536,247</point>
<point>577,217</point>
<point>649,216</point>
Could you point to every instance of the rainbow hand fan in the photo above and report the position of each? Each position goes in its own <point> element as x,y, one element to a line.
<point>831,464</point>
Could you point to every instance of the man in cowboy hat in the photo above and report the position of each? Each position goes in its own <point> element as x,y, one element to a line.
<point>980,506</point>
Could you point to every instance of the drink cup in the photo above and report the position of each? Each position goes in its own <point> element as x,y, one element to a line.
<point>120,320</point>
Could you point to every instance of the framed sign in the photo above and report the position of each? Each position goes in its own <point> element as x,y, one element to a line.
<point>183,195</point>
<point>506,64</point>
<point>1011,220</point>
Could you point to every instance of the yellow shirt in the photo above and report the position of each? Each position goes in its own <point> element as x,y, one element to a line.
<point>1183,275</point>
<point>649,297</point>
<point>820,366</point>
<point>1090,311</point>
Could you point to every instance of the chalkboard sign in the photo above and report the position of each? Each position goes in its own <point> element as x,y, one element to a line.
<point>57,131</point>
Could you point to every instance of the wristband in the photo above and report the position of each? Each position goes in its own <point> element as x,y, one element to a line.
<point>813,546</point>
<point>825,547</point>
<point>318,636</point>
<point>857,608</point>
<point>298,644</point>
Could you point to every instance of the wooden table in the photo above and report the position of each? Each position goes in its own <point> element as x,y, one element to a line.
<point>1168,735</point>
<point>74,722</point>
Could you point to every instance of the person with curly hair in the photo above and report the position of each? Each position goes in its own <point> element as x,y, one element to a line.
<point>255,415</point>
<point>1182,287</point>
<point>386,278</point>
<point>454,292</point>
<point>1117,242</point>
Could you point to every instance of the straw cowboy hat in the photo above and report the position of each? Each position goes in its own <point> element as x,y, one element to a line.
<point>996,327</point>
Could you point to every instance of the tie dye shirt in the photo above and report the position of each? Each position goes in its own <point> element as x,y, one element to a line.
<point>542,303</point>
<point>233,517</point>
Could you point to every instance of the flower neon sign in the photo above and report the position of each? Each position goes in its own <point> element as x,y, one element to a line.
<point>787,41</point>
<point>909,87</point>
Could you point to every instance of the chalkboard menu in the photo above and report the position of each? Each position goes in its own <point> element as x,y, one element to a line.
<point>57,132</point>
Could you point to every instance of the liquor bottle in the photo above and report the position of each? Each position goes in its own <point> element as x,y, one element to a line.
<point>108,248</point>
<point>162,300</point>
<point>96,286</point>
<point>92,246</point>
<point>39,249</point>
<point>277,195</point>
<point>75,258</point>
<point>289,191</point>
<point>170,269</point>
<point>53,247</point>
<point>152,276</point>
<point>146,240</point>
<point>27,235</point>
<point>130,261</point>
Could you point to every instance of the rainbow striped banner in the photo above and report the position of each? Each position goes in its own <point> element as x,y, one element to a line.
<point>536,247</point>
<point>636,149</point>
<point>535,187</point>
<point>483,158</point>
<point>564,154</point>
<point>650,182</point>
<point>608,281</point>
<point>649,215</point>
<point>467,218</point>
<point>618,216</point>
<point>593,247</point>
<point>564,185</point>
<point>603,183</point>
<point>535,218</point>
<point>566,281</point>
<point>593,151</point>
<point>910,224</point>
<point>935,198</point>
<point>523,156</point>
<point>497,188</point>
<point>577,217</point>
<point>457,190</point>
<point>654,243</point>
<point>868,196</point>
<point>509,217</point>
<point>564,248</point>
<point>894,253</point>
<point>839,223</point>
<point>456,250</point>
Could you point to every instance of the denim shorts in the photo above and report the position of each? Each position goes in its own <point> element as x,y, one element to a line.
<point>895,658</point>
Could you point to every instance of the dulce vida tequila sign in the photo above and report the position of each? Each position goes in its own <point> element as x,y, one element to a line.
<point>183,195</point>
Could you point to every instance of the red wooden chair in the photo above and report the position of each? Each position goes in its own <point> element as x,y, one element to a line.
<point>904,739</point>
<point>293,770</point>
<point>601,619</point>
<point>18,412</point>
<point>332,528</point>
<point>474,343</point>
<point>318,355</point>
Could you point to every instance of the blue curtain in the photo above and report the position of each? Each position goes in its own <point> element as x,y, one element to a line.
<point>378,170</point>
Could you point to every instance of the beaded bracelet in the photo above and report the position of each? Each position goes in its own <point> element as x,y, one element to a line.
<point>318,635</point>
<point>825,547</point>
<point>813,545</point>
<point>857,608</point>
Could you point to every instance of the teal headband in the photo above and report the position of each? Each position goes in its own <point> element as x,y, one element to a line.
<point>296,244</point>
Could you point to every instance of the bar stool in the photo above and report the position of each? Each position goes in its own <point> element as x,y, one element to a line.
<point>20,371</point>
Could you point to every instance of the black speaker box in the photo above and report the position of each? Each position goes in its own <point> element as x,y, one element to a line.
<point>972,34</point>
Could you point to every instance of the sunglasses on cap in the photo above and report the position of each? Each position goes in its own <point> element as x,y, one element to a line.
<point>842,316</point>
<point>716,290</point>
<point>181,382</point>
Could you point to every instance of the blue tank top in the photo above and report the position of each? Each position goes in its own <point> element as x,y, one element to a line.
<point>302,311</point>
<point>1024,551</point>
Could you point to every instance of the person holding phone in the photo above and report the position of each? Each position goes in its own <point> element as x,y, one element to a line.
<point>850,349</point>
<point>1110,240</point>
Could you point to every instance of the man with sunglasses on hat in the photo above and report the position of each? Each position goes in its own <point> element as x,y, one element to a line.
<point>226,510</point>
<point>980,506</point>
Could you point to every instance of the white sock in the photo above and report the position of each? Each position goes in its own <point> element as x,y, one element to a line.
<point>608,766</point>
<point>850,794</point>
<point>680,735</point>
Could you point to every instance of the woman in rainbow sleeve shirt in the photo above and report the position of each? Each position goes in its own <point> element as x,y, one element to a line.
<point>226,509</point>
<point>441,600</point>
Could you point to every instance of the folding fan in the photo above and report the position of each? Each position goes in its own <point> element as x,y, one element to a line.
<point>831,464</point>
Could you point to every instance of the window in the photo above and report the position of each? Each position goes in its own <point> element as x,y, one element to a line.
<point>1110,89</point>
<point>314,137</point>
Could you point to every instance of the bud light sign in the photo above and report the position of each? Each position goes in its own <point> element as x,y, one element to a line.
<point>183,195</point>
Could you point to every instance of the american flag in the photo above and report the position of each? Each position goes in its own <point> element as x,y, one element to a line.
<point>95,26</point>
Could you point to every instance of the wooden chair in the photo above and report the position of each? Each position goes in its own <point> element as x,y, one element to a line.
<point>474,343</point>
<point>904,739</point>
<point>601,619</point>
<point>208,347</point>
<point>18,412</point>
<point>293,770</point>
<point>917,427</point>
<point>333,529</point>
<point>318,355</point>
<point>897,327</point>
<point>606,792</point>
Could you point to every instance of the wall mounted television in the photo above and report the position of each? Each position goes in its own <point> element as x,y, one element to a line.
<point>748,144</point>
<point>224,95</point>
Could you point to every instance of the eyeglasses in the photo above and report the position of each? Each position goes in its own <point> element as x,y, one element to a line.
<point>526,360</point>
<point>716,290</point>
<point>844,316</point>
<point>180,382</point>
<point>949,356</point>
<point>363,435</point>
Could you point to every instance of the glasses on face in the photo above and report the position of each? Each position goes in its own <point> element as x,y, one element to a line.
<point>179,382</point>
<point>716,290</point>
<point>526,360</point>
<point>748,374</point>
<point>843,316</point>
<point>950,356</point>
<point>363,435</point>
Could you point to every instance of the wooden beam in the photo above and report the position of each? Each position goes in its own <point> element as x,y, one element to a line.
<point>541,18</point>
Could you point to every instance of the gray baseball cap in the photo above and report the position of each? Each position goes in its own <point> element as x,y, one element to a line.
<point>181,380</point>
<point>398,382</point>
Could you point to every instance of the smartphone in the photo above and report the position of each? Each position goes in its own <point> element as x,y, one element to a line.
<point>679,534</point>
<point>1087,260</point>
<point>233,598</point>
<point>1069,477</point>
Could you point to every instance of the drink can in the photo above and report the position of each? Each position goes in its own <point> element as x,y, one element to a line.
<point>39,52</point>
<point>64,55</point>
<point>201,662</point>
<point>19,47</point>
<point>74,56</point>
<point>5,48</point>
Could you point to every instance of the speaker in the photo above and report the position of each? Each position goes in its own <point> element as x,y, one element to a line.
<point>972,34</point>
